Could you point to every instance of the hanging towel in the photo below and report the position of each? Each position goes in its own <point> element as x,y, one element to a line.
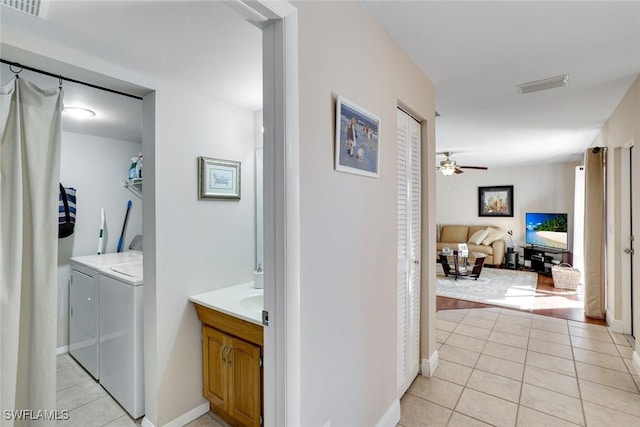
<point>66,211</point>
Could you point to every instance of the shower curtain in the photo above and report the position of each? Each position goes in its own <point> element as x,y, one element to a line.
<point>29,177</point>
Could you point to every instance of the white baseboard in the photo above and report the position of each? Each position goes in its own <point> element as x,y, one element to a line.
<point>636,362</point>
<point>182,419</point>
<point>62,350</point>
<point>391,417</point>
<point>615,325</point>
<point>429,365</point>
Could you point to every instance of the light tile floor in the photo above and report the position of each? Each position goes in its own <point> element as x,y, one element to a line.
<point>89,405</point>
<point>504,367</point>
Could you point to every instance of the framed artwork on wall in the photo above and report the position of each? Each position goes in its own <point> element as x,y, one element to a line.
<point>218,179</point>
<point>357,142</point>
<point>495,201</point>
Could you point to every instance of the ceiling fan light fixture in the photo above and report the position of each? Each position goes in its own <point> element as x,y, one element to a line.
<point>538,85</point>
<point>448,171</point>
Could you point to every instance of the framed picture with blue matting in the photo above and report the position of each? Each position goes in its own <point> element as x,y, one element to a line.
<point>357,145</point>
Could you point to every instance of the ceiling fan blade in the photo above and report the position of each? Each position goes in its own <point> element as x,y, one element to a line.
<point>458,170</point>
<point>483,168</point>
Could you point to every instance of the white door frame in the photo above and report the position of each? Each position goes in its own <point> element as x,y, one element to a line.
<point>279,23</point>
<point>625,232</point>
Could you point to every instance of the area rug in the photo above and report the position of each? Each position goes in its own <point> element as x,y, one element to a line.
<point>508,288</point>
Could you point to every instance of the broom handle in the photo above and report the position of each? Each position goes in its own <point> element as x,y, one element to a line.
<point>124,226</point>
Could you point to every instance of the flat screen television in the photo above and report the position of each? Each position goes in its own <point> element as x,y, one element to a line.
<point>547,230</point>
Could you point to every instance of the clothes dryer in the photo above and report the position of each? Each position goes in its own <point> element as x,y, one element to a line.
<point>120,331</point>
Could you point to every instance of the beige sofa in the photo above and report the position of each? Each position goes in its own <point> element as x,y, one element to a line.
<point>451,235</point>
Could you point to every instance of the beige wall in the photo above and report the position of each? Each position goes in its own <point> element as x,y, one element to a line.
<point>536,188</point>
<point>348,222</point>
<point>622,129</point>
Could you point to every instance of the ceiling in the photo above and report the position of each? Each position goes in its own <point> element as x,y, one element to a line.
<point>203,45</point>
<point>474,52</point>
<point>477,52</point>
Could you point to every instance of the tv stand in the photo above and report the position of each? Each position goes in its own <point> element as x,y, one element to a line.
<point>541,259</point>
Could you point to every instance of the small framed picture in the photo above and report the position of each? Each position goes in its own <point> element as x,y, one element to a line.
<point>357,139</point>
<point>495,201</point>
<point>218,179</point>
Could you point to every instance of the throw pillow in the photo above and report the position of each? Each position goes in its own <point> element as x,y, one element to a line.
<point>492,235</point>
<point>477,237</point>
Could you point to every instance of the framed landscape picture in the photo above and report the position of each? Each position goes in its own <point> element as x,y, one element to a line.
<point>495,201</point>
<point>357,139</point>
<point>218,179</point>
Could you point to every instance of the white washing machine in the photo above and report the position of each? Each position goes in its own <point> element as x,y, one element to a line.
<point>120,331</point>
<point>83,305</point>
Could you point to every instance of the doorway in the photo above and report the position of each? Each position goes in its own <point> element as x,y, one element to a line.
<point>627,238</point>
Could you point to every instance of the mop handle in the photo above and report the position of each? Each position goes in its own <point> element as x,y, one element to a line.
<point>124,226</point>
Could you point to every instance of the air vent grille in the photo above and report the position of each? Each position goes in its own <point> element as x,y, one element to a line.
<point>32,7</point>
<point>538,85</point>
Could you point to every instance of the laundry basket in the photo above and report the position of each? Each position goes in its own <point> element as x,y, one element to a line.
<point>565,276</point>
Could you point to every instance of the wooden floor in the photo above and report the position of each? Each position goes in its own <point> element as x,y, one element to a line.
<point>545,285</point>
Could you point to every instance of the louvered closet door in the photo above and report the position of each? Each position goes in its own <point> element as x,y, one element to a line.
<point>409,189</point>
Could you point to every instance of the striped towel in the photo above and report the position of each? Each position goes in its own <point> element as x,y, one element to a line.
<point>71,201</point>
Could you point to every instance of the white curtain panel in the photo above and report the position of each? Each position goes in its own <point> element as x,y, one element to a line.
<point>29,176</point>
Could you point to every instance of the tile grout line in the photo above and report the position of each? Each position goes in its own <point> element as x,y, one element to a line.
<point>473,368</point>
<point>623,360</point>
<point>492,373</point>
<point>575,370</point>
<point>572,344</point>
<point>464,387</point>
<point>524,369</point>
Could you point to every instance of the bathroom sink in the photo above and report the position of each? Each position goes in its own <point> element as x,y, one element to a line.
<point>253,303</point>
<point>242,301</point>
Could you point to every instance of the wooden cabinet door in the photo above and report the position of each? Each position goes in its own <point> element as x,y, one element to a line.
<point>244,382</point>
<point>214,369</point>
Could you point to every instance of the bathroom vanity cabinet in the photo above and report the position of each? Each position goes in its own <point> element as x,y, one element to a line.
<point>232,366</point>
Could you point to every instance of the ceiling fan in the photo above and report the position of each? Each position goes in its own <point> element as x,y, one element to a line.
<point>449,167</point>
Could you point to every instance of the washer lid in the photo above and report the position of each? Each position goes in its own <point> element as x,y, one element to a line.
<point>99,261</point>
<point>130,273</point>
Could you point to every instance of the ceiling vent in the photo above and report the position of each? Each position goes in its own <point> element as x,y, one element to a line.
<point>32,7</point>
<point>550,83</point>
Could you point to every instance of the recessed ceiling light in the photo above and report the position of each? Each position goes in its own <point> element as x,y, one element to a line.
<point>538,85</point>
<point>79,112</point>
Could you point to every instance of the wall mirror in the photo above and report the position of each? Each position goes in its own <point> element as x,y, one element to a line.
<point>259,212</point>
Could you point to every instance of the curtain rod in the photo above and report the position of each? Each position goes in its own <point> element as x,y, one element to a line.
<point>57,76</point>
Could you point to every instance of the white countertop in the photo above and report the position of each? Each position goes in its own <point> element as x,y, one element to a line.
<point>228,300</point>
